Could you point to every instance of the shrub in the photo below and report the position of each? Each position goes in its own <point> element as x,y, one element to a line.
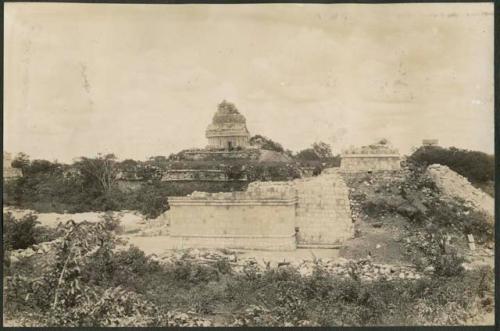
<point>454,216</point>
<point>476,166</point>
<point>19,234</point>
<point>448,265</point>
<point>63,294</point>
<point>266,143</point>
<point>45,234</point>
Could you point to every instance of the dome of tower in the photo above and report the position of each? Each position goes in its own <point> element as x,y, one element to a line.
<point>227,113</point>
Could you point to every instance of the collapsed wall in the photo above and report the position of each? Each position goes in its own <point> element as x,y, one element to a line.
<point>453,185</point>
<point>269,215</point>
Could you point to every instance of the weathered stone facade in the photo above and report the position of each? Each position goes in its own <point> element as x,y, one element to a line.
<point>8,171</point>
<point>365,163</point>
<point>197,175</point>
<point>228,129</point>
<point>269,215</point>
<point>261,218</point>
<point>371,158</point>
<point>197,154</point>
<point>430,142</point>
<point>323,214</point>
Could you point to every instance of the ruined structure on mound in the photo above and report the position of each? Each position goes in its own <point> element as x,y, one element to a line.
<point>8,171</point>
<point>452,185</point>
<point>206,175</point>
<point>228,129</point>
<point>228,139</point>
<point>269,215</point>
<point>377,157</point>
<point>430,142</point>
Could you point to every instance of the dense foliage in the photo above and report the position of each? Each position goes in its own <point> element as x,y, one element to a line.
<point>416,198</point>
<point>88,282</point>
<point>474,165</point>
<point>103,183</point>
<point>24,232</point>
<point>57,294</point>
<point>266,143</point>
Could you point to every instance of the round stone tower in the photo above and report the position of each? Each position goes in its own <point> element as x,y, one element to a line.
<point>228,129</point>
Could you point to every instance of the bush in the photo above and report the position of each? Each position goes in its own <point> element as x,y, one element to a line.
<point>474,165</point>
<point>62,294</point>
<point>454,216</point>
<point>266,143</point>
<point>127,288</point>
<point>19,234</point>
<point>448,265</point>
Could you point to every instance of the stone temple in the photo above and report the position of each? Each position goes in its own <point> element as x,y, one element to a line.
<point>228,129</point>
<point>381,156</point>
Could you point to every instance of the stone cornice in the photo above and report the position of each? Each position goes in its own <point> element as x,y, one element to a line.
<point>370,155</point>
<point>186,201</point>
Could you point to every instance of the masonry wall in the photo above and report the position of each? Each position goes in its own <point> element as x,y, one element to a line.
<point>196,175</point>
<point>260,218</point>
<point>323,214</point>
<point>370,162</point>
<point>222,142</point>
<point>207,154</point>
<point>265,216</point>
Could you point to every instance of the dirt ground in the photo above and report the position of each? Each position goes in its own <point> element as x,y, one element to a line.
<point>382,243</point>
<point>161,245</point>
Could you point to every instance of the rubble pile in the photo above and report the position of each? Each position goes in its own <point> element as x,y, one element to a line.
<point>372,186</point>
<point>207,256</point>
<point>42,249</point>
<point>156,227</point>
<point>365,269</point>
<point>453,185</point>
<point>189,319</point>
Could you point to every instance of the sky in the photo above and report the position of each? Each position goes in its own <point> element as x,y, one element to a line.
<point>142,80</point>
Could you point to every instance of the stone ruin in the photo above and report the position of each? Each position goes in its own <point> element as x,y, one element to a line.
<point>380,156</point>
<point>228,129</point>
<point>207,175</point>
<point>309,212</point>
<point>453,186</point>
<point>8,171</point>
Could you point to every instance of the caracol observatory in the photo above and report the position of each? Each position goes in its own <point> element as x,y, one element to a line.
<point>228,129</point>
<point>305,212</point>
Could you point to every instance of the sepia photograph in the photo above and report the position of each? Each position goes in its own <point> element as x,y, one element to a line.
<point>241,165</point>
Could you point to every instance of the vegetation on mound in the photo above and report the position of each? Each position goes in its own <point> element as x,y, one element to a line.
<point>415,197</point>
<point>407,216</point>
<point>91,283</point>
<point>266,143</point>
<point>93,184</point>
<point>477,167</point>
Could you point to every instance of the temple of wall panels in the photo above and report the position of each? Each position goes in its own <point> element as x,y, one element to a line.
<point>370,162</point>
<point>268,215</point>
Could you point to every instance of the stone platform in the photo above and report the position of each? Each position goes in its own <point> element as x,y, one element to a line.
<point>267,216</point>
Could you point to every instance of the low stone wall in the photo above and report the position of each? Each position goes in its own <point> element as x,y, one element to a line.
<point>370,162</point>
<point>207,154</point>
<point>196,175</point>
<point>260,218</point>
<point>265,216</point>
